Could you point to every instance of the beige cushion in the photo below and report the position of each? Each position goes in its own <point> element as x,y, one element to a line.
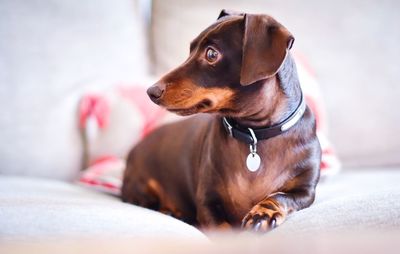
<point>33,208</point>
<point>50,51</point>
<point>351,44</point>
<point>354,201</point>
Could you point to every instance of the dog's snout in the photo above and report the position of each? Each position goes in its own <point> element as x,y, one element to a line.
<point>155,92</point>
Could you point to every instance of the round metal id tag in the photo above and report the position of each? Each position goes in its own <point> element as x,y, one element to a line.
<point>253,162</point>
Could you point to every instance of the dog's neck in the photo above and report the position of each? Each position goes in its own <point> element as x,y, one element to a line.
<point>278,99</point>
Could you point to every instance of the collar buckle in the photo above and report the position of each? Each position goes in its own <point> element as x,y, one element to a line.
<point>253,146</point>
<point>228,125</point>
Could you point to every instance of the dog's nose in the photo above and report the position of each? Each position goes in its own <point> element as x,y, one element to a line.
<point>155,92</point>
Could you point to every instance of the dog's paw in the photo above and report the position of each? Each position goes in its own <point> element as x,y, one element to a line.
<point>264,216</point>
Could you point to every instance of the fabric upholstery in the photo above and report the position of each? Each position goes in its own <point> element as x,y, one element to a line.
<point>353,200</point>
<point>34,208</point>
<point>50,51</point>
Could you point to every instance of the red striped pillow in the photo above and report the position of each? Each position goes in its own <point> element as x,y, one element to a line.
<point>102,114</point>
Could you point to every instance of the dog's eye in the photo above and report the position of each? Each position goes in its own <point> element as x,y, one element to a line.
<point>211,55</point>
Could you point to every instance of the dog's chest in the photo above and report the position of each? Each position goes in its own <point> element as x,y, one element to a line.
<point>240,188</point>
<point>245,189</point>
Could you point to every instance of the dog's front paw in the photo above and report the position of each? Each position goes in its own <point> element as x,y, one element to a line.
<point>264,216</point>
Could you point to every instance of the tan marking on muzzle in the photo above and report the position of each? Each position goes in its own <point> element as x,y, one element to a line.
<point>185,94</point>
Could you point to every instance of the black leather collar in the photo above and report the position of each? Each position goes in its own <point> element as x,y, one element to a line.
<point>244,134</point>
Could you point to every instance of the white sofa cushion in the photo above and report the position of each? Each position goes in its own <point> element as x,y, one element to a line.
<point>33,208</point>
<point>36,208</point>
<point>50,51</point>
<point>353,201</point>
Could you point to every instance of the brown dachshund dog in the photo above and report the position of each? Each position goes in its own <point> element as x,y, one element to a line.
<point>255,157</point>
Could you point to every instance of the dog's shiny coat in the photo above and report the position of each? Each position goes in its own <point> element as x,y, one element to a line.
<point>239,67</point>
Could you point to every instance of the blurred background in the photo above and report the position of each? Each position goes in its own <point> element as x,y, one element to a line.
<point>54,52</point>
<point>51,51</point>
<point>351,45</point>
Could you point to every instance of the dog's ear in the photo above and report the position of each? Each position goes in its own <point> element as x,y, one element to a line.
<point>225,12</point>
<point>265,45</point>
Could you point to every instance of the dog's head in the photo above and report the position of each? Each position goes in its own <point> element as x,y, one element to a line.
<point>226,62</point>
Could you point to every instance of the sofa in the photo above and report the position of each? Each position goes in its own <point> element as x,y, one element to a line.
<point>53,51</point>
